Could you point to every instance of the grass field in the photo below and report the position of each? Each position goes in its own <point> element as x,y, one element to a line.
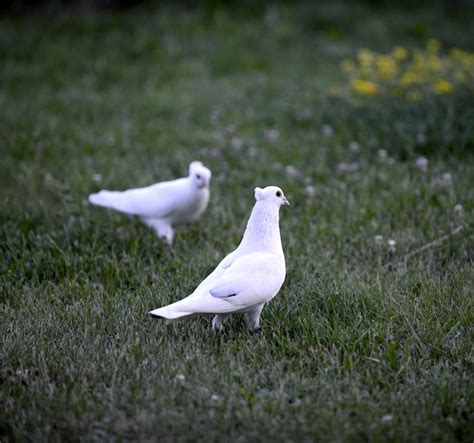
<point>362,343</point>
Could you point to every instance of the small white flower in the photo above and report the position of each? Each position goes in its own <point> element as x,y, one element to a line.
<point>422,163</point>
<point>272,15</point>
<point>447,179</point>
<point>210,152</point>
<point>110,138</point>
<point>354,146</point>
<point>421,138</point>
<point>378,239</point>
<point>252,152</point>
<point>180,377</point>
<point>310,191</point>
<point>347,168</point>
<point>97,178</point>
<point>304,115</point>
<point>236,143</point>
<point>272,135</point>
<point>22,373</point>
<point>354,177</point>
<point>291,171</point>
<point>443,182</point>
<point>216,115</point>
<point>327,130</point>
<point>384,158</point>
<point>392,244</point>
<point>215,400</point>
<point>387,418</point>
<point>458,210</point>
<point>277,166</point>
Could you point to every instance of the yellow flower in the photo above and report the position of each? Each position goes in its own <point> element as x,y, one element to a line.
<point>364,87</point>
<point>433,46</point>
<point>456,54</point>
<point>409,78</point>
<point>466,59</point>
<point>399,53</point>
<point>419,62</point>
<point>348,66</point>
<point>443,87</point>
<point>410,74</point>
<point>365,57</point>
<point>434,63</point>
<point>386,67</point>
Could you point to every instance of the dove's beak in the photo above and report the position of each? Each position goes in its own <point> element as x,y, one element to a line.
<point>286,202</point>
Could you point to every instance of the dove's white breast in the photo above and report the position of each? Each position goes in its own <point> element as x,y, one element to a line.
<point>189,206</point>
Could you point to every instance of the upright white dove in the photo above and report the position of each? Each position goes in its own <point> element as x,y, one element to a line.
<point>164,204</point>
<point>248,277</point>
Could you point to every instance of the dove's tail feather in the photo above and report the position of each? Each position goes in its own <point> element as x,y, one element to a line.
<point>103,198</point>
<point>170,313</point>
<point>112,199</point>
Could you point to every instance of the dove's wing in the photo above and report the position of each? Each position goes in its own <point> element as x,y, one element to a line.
<point>226,262</point>
<point>156,201</point>
<point>250,280</point>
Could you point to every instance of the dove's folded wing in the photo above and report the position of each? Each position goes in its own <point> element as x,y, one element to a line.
<point>251,279</point>
<point>220,269</point>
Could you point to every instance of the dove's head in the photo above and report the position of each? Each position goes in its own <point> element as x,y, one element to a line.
<point>271,194</point>
<point>200,175</point>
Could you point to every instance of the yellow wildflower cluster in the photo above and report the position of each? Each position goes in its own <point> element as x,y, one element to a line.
<point>412,74</point>
<point>364,86</point>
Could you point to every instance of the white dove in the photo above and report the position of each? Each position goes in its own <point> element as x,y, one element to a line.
<point>164,204</point>
<point>248,277</point>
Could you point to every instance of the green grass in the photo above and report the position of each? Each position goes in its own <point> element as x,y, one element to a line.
<point>358,345</point>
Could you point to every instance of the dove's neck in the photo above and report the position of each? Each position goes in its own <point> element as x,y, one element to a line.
<point>263,230</point>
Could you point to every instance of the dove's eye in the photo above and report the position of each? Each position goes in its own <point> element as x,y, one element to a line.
<point>278,194</point>
<point>198,176</point>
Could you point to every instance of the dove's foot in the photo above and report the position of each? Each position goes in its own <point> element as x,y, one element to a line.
<point>167,239</point>
<point>163,230</point>
<point>218,322</point>
<point>253,318</point>
<point>166,233</point>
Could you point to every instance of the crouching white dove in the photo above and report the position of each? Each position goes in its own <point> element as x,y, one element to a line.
<point>164,204</point>
<point>248,277</point>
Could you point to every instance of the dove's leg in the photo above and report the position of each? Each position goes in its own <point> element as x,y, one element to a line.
<point>168,234</point>
<point>218,321</point>
<point>162,229</point>
<point>253,317</point>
